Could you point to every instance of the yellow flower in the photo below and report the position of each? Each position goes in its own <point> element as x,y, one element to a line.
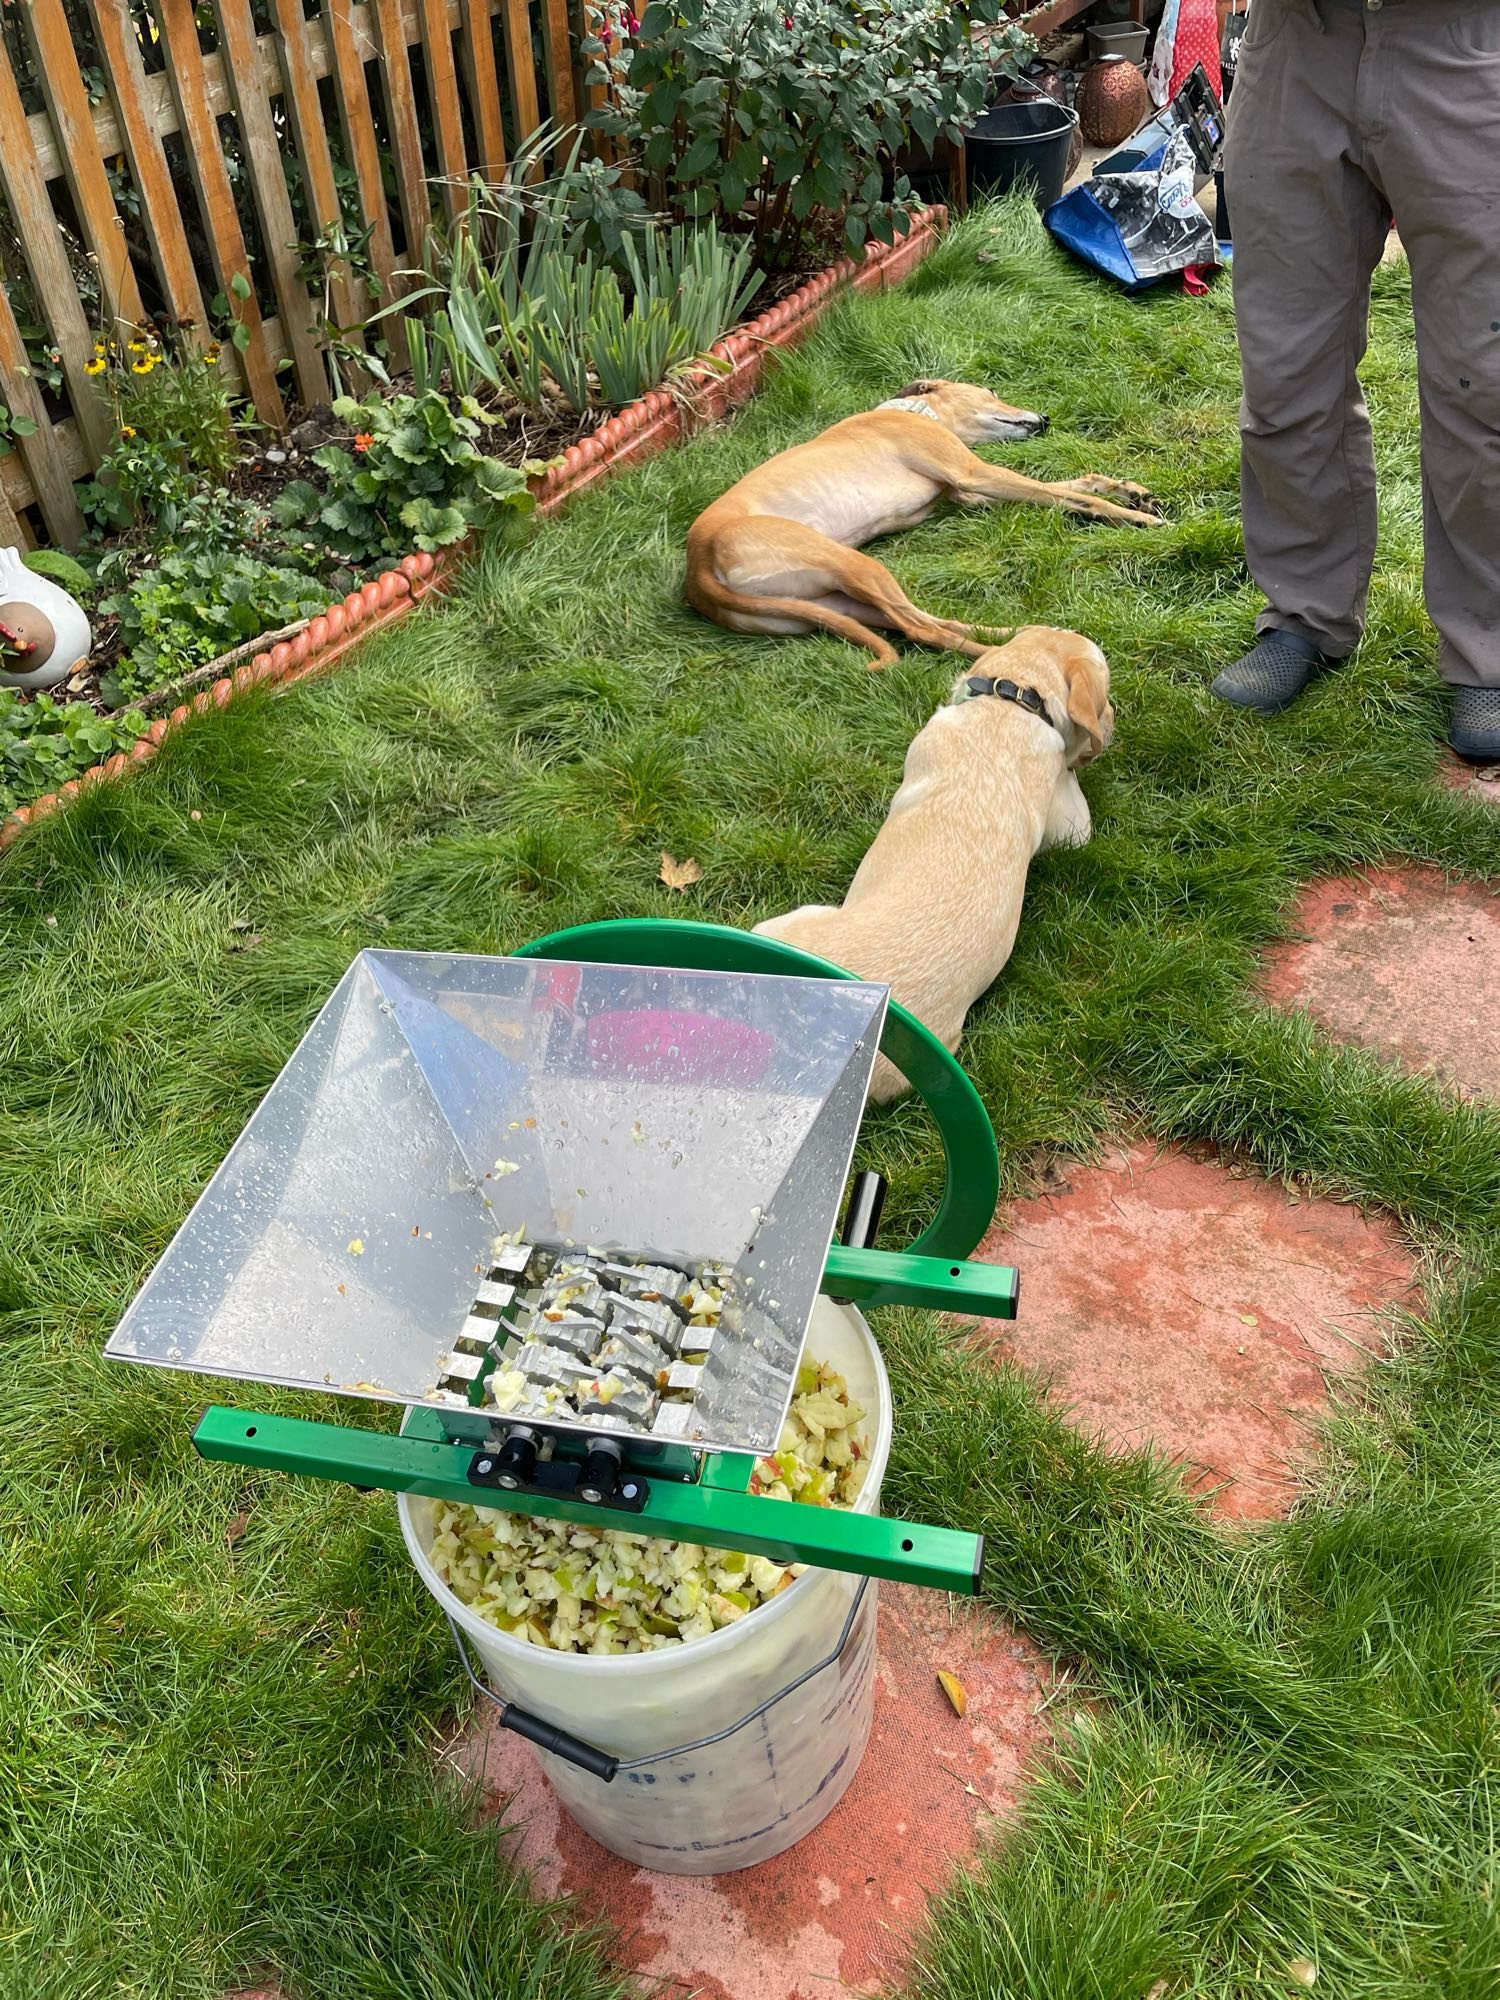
<point>144,366</point>
<point>94,367</point>
<point>137,346</point>
<point>127,430</point>
<point>211,358</point>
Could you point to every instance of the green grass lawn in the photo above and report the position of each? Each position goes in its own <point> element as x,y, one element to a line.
<point>220,1692</point>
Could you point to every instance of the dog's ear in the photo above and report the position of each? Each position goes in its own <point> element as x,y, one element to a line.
<point>1085,699</point>
<point>918,389</point>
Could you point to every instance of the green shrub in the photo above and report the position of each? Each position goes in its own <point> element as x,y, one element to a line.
<point>44,743</point>
<point>176,428</point>
<point>419,478</point>
<point>785,119</point>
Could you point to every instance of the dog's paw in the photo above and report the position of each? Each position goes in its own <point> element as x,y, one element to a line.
<point>1092,508</point>
<point>1118,489</point>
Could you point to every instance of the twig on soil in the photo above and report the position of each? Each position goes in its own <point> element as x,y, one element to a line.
<point>216,668</point>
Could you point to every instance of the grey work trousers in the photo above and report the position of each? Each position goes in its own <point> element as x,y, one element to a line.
<point>1344,113</point>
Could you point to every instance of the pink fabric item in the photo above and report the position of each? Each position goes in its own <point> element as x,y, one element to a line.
<point>679,1048</point>
<point>1197,41</point>
<point>1195,280</point>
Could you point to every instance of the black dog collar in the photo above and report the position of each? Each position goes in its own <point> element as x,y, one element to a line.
<point>1024,697</point>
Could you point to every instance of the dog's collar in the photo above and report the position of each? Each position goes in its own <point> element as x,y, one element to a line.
<point>1023,697</point>
<point>915,404</point>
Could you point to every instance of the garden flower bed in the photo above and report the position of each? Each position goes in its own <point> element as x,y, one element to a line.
<point>651,424</point>
<point>743,147</point>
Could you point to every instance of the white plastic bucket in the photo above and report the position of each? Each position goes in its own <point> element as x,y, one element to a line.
<point>739,1801</point>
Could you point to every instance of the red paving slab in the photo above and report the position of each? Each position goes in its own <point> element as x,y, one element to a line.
<point>839,1909</point>
<point>1175,1303</point>
<point>1480,781</point>
<point>1407,964</point>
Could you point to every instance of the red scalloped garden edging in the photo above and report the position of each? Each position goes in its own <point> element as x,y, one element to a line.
<point>645,428</point>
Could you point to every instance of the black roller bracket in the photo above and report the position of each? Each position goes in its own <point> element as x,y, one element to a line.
<point>603,1469</point>
<point>866,1206</point>
<point>862,1216</point>
<point>513,1467</point>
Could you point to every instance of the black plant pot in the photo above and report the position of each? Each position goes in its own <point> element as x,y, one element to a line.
<point>1024,143</point>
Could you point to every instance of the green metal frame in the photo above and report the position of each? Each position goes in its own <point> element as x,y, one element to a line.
<point>716,1508</point>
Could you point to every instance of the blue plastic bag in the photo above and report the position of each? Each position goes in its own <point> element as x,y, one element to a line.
<point>1142,224</point>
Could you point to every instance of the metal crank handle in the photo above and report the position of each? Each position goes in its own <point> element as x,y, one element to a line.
<point>547,1737</point>
<point>897,1278</point>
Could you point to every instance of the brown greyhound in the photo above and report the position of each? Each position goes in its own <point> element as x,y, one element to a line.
<point>779,552</point>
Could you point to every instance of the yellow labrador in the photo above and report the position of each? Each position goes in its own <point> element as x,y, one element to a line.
<point>989,782</point>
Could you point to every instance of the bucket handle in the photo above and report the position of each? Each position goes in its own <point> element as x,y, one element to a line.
<point>574,1751</point>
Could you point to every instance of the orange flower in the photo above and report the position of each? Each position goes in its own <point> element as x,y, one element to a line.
<point>364,440</point>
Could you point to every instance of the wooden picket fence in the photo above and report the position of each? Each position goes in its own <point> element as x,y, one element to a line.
<point>120,185</point>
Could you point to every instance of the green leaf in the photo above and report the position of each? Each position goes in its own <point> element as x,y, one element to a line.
<point>699,156</point>
<point>62,569</point>
<point>240,337</point>
<point>239,284</point>
<point>434,527</point>
<point>295,504</point>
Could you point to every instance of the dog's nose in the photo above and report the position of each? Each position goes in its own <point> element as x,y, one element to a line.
<point>1043,423</point>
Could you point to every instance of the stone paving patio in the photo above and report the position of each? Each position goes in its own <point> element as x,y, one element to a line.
<point>1406,964</point>
<point>1173,1303</point>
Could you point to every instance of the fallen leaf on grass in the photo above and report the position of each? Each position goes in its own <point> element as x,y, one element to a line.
<point>1303,1971</point>
<point>679,874</point>
<point>953,1687</point>
<point>236,1528</point>
<point>1158,1991</point>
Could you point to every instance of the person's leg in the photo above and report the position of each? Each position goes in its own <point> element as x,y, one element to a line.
<point>1439,72</point>
<point>1310,222</point>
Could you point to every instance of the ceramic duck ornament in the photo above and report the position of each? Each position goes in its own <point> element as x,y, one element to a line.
<point>44,634</point>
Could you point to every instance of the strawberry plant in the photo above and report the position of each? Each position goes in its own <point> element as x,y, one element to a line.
<point>193,604</point>
<point>44,742</point>
<point>415,475</point>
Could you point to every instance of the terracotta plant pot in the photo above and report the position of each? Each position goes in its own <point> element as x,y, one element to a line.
<point>1112,101</point>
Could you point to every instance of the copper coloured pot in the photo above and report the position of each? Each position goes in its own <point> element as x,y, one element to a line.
<point>1112,101</point>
